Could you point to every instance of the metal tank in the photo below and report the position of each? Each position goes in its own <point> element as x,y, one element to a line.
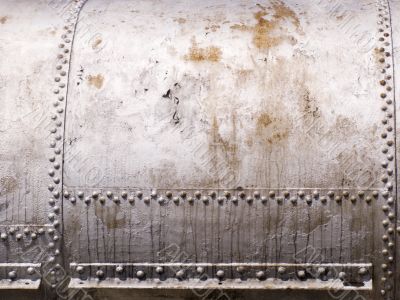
<point>199,149</point>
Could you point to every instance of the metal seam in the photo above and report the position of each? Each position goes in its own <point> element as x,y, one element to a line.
<point>57,144</point>
<point>395,144</point>
<point>386,87</point>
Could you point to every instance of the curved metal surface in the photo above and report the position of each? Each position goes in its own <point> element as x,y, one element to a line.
<point>201,145</point>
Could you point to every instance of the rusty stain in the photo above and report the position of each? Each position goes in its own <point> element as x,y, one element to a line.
<point>180,20</point>
<point>4,19</point>
<point>212,28</point>
<point>228,145</point>
<point>8,184</point>
<point>265,31</point>
<point>96,81</point>
<point>96,43</point>
<point>309,104</point>
<point>197,54</point>
<point>270,129</point>
<point>108,216</point>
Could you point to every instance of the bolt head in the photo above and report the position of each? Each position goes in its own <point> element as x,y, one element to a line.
<point>140,274</point>
<point>12,275</point>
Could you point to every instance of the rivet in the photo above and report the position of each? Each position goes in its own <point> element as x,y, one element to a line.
<point>140,274</point>
<point>3,236</point>
<point>281,270</point>
<point>234,200</point>
<point>33,236</point>
<point>260,275</point>
<point>131,199</point>
<point>362,271</point>
<point>221,200</point>
<point>180,274</point>
<point>153,194</point>
<point>385,252</point>
<point>241,269</point>
<point>183,194</point>
<point>124,194</point>
<point>190,200</point>
<point>256,194</point>
<point>308,200</point>
<point>161,200</point>
<point>323,199</point>
<point>30,270</point>
<point>146,200</point>
<point>264,199</point>
<point>205,199</point>
<point>338,199</point>
<point>109,194</point>
<point>249,200</point>
<point>168,194</point>
<point>361,194</point>
<point>197,194</point>
<point>18,236</point>
<point>342,275</point>
<point>301,194</point>
<point>385,208</point>
<point>176,200</point>
<point>345,193</point>
<point>159,270</point>
<point>286,194</point>
<point>99,274</point>
<point>139,194</point>
<point>227,194</point>
<point>200,270</point>
<point>12,275</point>
<point>87,200</point>
<point>330,194</point>
<point>220,274</point>
<point>321,271</point>
<point>301,274</point>
<point>293,200</point>
<point>119,269</point>
<point>212,194</point>
<point>242,195</point>
<point>79,269</point>
<point>315,194</point>
<point>271,194</point>
<point>116,200</point>
<point>80,194</point>
<point>353,199</point>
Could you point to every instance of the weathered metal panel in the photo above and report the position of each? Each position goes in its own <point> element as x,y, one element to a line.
<point>28,47</point>
<point>237,133</point>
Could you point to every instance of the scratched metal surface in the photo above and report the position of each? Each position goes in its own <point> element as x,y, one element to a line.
<point>210,96</point>
<point>28,45</point>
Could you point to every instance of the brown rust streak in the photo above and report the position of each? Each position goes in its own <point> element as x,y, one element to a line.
<point>96,43</point>
<point>108,216</point>
<point>265,31</point>
<point>8,184</point>
<point>228,146</point>
<point>3,19</point>
<point>95,80</point>
<point>180,20</point>
<point>269,129</point>
<point>197,54</point>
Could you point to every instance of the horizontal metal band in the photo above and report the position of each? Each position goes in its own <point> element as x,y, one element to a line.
<point>351,274</point>
<point>19,276</point>
<point>213,284</point>
<point>222,196</point>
